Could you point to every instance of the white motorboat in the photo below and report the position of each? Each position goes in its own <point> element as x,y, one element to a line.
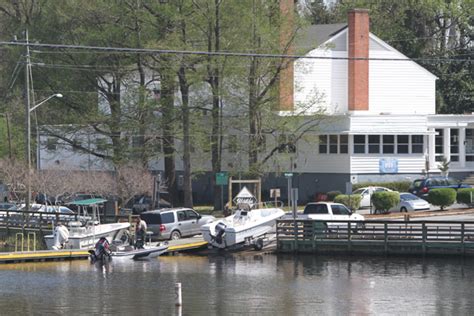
<point>246,225</point>
<point>84,236</point>
<point>129,253</point>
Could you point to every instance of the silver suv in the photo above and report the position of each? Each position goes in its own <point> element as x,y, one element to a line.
<point>174,223</point>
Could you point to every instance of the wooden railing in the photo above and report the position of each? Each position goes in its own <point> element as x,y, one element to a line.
<point>376,236</point>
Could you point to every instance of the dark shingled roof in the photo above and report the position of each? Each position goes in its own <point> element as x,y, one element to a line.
<point>310,37</point>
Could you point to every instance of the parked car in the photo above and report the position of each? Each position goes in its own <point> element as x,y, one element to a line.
<point>142,203</point>
<point>174,223</point>
<point>7,206</point>
<point>421,187</point>
<point>410,202</point>
<point>366,194</point>
<point>327,211</point>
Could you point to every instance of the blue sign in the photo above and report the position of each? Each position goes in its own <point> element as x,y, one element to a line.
<point>388,165</point>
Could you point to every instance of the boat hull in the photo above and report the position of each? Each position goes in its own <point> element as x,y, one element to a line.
<point>86,238</point>
<point>236,232</point>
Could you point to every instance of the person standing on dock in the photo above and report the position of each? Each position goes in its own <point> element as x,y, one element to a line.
<point>140,233</point>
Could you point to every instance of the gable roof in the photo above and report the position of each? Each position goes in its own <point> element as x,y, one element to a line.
<point>310,37</point>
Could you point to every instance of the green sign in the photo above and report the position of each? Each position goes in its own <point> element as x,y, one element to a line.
<point>288,174</point>
<point>222,178</point>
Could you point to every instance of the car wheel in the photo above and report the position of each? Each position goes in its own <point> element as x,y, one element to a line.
<point>175,235</point>
<point>403,209</point>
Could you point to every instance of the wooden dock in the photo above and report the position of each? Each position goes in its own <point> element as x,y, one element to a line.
<point>378,237</point>
<point>181,245</point>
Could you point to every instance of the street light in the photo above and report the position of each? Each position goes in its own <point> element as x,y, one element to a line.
<point>28,143</point>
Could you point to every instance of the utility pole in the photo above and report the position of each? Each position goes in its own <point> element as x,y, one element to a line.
<point>28,123</point>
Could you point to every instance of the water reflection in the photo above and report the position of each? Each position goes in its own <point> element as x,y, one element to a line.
<point>235,284</point>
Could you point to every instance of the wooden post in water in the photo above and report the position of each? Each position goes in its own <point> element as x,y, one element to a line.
<point>385,237</point>
<point>177,293</point>
<point>423,237</point>
<point>462,238</point>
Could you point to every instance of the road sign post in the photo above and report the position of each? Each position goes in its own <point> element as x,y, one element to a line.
<point>289,176</point>
<point>222,178</point>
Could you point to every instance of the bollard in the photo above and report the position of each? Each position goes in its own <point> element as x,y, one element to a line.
<point>177,292</point>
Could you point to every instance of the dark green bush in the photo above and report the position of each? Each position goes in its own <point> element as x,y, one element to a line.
<point>464,196</point>
<point>332,194</point>
<point>442,197</point>
<point>400,186</point>
<point>351,201</point>
<point>383,201</point>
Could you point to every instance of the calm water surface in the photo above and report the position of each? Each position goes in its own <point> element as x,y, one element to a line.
<point>223,285</point>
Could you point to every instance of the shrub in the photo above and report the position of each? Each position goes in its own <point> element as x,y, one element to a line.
<point>332,195</point>
<point>464,196</point>
<point>383,201</point>
<point>352,201</point>
<point>442,197</point>
<point>400,186</point>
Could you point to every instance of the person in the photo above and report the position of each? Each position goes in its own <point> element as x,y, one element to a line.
<point>140,233</point>
<point>102,249</point>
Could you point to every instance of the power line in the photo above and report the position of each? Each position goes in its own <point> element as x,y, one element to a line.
<point>222,54</point>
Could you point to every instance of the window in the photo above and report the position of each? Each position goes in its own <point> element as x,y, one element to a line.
<point>333,144</point>
<point>439,145</point>
<point>323,144</point>
<point>402,144</point>
<point>416,144</point>
<point>340,210</point>
<point>454,136</point>
<point>167,218</point>
<point>388,144</point>
<point>343,144</point>
<point>191,214</point>
<point>374,144</point>
<point>359,144</point>
<point>287,144</point>
<point>316,209</point>
<point>51,143</point>
<point>469,144</point>
<point>181,216</point>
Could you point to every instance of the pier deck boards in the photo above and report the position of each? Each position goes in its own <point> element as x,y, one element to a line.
<point>71,254</point>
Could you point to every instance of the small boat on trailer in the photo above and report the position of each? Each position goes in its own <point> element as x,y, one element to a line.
<point>249,224</point>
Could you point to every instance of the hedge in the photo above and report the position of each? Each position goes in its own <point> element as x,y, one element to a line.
<point>351,201</point>
<point>383,201</point>
<point>400,186</point>
<point>442,197</point>
<point>332,195</point>
<point>464,196</point>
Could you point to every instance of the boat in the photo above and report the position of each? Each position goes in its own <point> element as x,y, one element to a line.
<point>129,252</point>
<point>80,235</point>
<point>249,224</point>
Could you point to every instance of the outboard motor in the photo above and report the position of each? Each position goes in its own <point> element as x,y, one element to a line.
<point>61,237</point>
<point>101,252</point>
<point>220,231</point>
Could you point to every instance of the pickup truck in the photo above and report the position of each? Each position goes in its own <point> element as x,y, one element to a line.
<point>327,211</point>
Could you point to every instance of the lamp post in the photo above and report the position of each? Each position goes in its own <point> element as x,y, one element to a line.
<point>28,143</point>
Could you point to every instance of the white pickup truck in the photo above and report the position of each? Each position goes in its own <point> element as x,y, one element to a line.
<point>326,211</point>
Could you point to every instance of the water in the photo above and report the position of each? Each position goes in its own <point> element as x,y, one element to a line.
<point>254,284</point>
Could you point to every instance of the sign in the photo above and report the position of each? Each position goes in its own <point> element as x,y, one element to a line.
<point>275,193</point>
<point>354,179</point>
<point>288,174</point>
<point>222,178</point>
<point>388,165</point>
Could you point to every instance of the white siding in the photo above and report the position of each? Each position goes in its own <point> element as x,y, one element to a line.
<point>399,87</point>
<point>396,87</point>
<point>363,164</point>
<point>386,124</point>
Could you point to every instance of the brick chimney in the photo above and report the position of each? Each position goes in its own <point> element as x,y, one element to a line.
<point>358,23</point>
<point>286,82</point>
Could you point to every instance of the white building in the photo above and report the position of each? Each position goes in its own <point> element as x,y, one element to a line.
<point>382,122</point>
